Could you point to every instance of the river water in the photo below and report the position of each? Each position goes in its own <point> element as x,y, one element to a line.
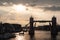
<point>39,35</point>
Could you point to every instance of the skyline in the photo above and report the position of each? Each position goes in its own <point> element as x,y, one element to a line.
<point>39,9</point>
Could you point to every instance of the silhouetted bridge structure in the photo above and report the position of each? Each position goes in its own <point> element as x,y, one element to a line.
<point>52,24</point>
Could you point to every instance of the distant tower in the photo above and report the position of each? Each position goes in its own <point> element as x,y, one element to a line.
<point>54,30</point>
<point>31,30</point>
<point>53,21</point>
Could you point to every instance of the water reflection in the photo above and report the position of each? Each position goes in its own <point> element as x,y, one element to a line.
<point>39,35</point>
<point>18,37</point>
<point>32,37</point>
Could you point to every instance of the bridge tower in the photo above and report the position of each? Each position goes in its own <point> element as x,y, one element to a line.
<point>53,21</point>
<point>53,27</point>
<point>54,31</point>
<point>53,24</point>
<point>31,29</point>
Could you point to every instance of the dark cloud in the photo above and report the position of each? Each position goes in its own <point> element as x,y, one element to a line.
<point>35,2</point>
<point>52,8</point>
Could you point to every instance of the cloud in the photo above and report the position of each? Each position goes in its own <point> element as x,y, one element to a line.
<point>52,8</point>
<point>2,12</point>
<point>31,2</point>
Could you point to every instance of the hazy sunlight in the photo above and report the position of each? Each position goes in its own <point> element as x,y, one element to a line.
<point>19,8</point>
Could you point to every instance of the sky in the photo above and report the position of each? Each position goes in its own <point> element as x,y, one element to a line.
<point>39,9</point>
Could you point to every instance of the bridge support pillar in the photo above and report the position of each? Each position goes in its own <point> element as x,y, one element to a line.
<point>31,30</point>
<point>54,30</point>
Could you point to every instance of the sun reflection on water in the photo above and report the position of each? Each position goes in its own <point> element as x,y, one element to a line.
<point>20,37</point>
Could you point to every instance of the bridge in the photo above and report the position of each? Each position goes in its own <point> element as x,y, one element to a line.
<point>52,23</point>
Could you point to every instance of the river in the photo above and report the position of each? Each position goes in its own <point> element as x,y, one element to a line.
<point>39,35</point>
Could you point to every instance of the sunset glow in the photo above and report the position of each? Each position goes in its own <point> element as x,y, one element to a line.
<point>19,8</point>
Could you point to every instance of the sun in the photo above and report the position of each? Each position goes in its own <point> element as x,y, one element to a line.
<point>19,8</point>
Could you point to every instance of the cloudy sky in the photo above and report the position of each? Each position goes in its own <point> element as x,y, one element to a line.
<point>39,9</point>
